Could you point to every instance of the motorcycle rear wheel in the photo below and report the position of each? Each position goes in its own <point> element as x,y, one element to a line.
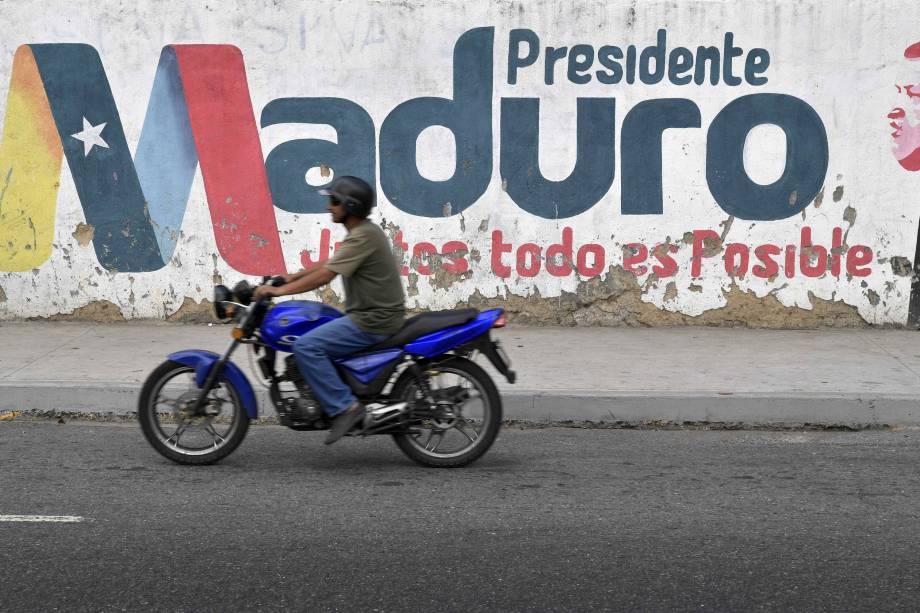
<point>163,412</point>
<point>467,426</point>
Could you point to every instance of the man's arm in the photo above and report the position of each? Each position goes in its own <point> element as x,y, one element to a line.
<point>305,281</point>
<point>294,276</point>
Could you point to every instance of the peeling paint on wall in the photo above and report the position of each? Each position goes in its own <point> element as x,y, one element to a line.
<point>617,300</point>
<point>100,310</point>
<point>83,234</point>
<point>900,266</point>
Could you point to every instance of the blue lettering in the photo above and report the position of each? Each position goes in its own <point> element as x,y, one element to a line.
<point>757,62</point>
<point>580,59</point>
<point>641,151</point>
<point>646,75</point>
<point>608,57</point>
<point>468,116</point>
<point>806,157</point>
<point>288,163</point>
<point>594,164</point>
<point>680,61</point>
<point>515,61</point>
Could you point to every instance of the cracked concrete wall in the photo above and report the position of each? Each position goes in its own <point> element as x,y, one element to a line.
<point>696,262</point>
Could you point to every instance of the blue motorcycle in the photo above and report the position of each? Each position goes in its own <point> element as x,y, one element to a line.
<point>421,386</point>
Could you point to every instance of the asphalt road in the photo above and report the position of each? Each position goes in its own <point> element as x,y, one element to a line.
<point>553,519</point>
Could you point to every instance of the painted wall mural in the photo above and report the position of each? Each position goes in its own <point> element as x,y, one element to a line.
<point>906,122</point>
<point>199,103</point>
<point>623,165</point>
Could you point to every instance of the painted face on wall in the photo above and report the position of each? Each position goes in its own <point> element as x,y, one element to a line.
<point>905,118</point>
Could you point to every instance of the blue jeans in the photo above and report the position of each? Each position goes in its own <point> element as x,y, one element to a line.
<point>314,352</point>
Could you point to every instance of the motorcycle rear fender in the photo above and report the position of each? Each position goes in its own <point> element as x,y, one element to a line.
<point>439,342</point>
<point>202,361</point>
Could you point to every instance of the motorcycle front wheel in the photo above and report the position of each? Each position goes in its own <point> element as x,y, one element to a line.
<point>169,425</point>
<point>464,421</point>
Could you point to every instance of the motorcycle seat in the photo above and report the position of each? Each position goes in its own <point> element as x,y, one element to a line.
<point>426,323</point>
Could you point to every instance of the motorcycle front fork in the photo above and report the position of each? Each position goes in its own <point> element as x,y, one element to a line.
<point>211,380</point>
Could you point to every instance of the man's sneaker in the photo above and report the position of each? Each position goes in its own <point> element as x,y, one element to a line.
<point>345,421</point>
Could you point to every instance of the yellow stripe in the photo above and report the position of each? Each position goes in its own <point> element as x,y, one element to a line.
<point>30,169</point>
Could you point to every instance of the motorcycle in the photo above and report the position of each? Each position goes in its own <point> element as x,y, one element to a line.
<point>421,386</point>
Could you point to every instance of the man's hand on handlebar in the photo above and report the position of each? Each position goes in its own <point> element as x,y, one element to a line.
<point>294,283</point>
<point>265,291</point>
<point>269,288</point>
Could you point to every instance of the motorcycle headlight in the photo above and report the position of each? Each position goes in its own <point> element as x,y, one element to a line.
<point>221,296</point>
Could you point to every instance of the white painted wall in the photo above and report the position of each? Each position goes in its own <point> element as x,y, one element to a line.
<point>843,57</point>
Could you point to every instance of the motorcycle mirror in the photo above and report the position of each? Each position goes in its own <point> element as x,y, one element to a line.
<point>221,295</point>
<point>243,292</point>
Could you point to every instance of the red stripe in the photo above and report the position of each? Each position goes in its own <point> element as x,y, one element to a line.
<point>913,52</point>
<point>230,154</point>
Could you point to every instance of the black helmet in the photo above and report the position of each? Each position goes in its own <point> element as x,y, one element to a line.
<point>354,193</point>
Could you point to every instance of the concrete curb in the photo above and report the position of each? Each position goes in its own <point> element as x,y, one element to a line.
<point>542,406</point>
<point>744,409</point>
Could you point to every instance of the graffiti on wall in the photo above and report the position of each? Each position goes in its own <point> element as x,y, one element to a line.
<point>136,207</point>
<point>200,118</point>
<point>60,106</point>
<point>905,122</point>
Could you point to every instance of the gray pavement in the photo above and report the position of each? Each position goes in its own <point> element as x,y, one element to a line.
<point>556,519</point>
<point>865,377</point>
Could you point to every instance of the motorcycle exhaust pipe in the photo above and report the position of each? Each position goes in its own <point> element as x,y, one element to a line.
<point>383,414</point>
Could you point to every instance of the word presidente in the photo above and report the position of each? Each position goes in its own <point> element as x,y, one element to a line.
<point>60,106</point>
<point>650,66</point>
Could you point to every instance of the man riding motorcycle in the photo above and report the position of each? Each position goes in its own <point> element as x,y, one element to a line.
<point>374,302</point>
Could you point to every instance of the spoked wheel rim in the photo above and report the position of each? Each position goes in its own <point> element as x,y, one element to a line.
<point>463,415</point>
<point>193,435</point>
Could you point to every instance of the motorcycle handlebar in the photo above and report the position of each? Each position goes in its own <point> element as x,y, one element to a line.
<point>276,281</point>
<point>258,309</point>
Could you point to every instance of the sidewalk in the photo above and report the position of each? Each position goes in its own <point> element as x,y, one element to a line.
<point>753,377</point>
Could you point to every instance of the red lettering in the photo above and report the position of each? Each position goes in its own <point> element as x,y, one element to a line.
<point>597,267</point>
<point>696,261</point>
<point>534,268</point>
<point>565,250</point>
<point>858,255</point>
<point>805,256</point>
<point>635,253</point>
<point>790,261</point>
<point>404,247</point>
<point>770,268</point>
<point>836,248</point>
<point>737,249</point>
<point>499,248</point>
<point>322,254</point>
<point>455,250</point>
<point>669,265</point>
<point>421,255</point>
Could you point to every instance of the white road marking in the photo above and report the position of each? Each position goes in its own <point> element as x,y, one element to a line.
<point>65,519</point>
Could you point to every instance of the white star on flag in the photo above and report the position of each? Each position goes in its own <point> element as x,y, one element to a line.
<point>91,136</point>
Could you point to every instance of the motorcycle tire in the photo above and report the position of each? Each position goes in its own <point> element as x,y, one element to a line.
<point>152,424</point>
<point>411,444</point>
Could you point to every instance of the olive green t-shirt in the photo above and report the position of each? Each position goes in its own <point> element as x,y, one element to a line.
<point>374,297</point>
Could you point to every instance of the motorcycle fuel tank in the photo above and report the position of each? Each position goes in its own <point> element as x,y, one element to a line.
<point>287,321</point>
